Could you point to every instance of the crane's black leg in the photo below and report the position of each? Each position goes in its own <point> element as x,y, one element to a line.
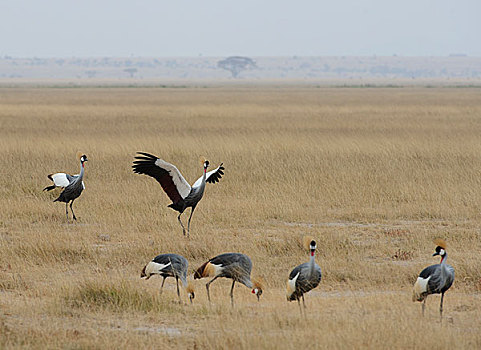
<point>190,217</point>
<point>441,307</point>
<point>71,203</point>
<point>207,286</point>
<point>181,224</point>
<point>303,302</point>
<point>232,294</point>
<point>66,210</point>
<point>178,293</point>
<point>424,305</point>
<point>162,286</point>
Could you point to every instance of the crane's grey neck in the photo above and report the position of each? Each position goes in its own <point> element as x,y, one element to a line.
<point>312,263</point>
<point>184,281</point>
<point>81,170</point>
<point>247,282</point>
<point>204,177</point>
<point>443,258</point>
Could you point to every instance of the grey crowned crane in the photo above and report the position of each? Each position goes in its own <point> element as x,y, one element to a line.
<point>173,183</point>
<point>434,279</point>
<point>304,278</point>
<point>72,185</point>
<point>169,265</point>
<point>235,266</point>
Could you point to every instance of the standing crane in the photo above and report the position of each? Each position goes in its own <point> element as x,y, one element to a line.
<point>73,185</point>
<point>303,278</point>
<point>169,265</point>
<point>173,183</point>
<point>236,266</point>
<point>434,279</point>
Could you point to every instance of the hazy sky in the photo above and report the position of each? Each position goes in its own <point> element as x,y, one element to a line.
<point>47,28</point>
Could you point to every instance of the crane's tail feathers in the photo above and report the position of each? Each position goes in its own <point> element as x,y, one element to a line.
<point>440,242</point>
<point>49,188</point>
<point>306,242</point>
<point>177,206</point>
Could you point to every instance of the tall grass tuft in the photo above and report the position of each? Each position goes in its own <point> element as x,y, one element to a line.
<point>120,296</point>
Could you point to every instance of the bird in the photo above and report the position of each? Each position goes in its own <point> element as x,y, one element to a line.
<point>434,279</point>
<point>235,266</point>
<point>169,265</point>
<point>304,278</point>
<point>173,183</point>
<point>72,185</point>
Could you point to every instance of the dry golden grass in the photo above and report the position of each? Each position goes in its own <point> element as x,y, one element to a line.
<point>374,175</point>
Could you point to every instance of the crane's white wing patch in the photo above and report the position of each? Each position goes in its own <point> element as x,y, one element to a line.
<point>422,284</point>
<point>60,180</point>
<point>291,285</point>
<point>155,268</point>
<point>217,269</point>
<point>182,185</point>
<point>420,287</point>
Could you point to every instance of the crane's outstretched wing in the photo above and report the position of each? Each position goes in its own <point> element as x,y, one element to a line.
<point>169,177</point>
<point>59,180</point>
<point>212,176</point>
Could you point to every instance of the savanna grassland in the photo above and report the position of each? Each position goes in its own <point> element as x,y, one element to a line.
<point>374,175</point>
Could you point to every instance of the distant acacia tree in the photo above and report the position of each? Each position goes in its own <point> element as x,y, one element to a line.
<point>236,64</point>
<point>131,71</point>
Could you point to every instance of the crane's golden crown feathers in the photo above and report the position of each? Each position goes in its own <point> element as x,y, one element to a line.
<point>202,160</point>
<point>79,154</point>
<point>440,243</point>
<point>258,282</point>
<point>306,242</point>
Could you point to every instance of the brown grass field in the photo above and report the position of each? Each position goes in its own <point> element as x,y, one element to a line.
<point>374,175</point>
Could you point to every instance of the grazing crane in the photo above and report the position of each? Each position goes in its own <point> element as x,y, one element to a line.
<point>434,279</point>
<point>169,265</point>
<point>230,265</point>
<point>303,278</point>
<point>72,185</point>
<point>173,183</point>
